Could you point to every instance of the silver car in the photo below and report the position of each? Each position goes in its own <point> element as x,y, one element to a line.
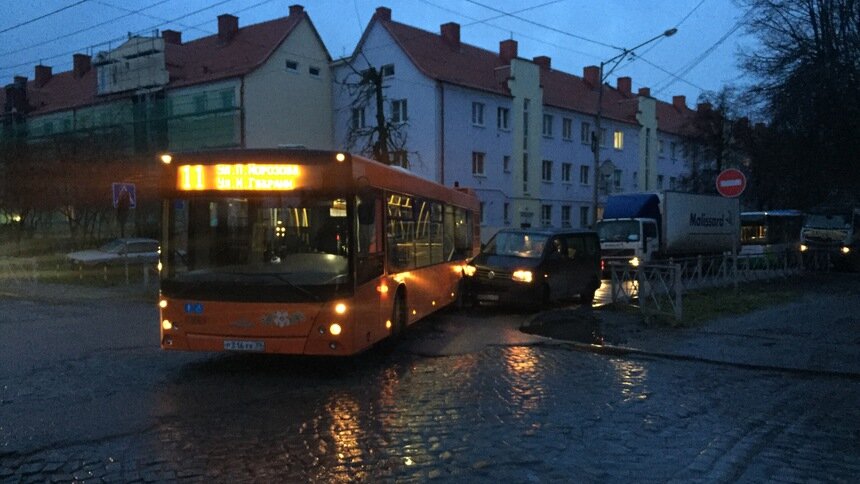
<point>117,252</point>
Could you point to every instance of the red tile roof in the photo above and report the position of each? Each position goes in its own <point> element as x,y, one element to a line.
<point>202,60</point>
<point>476,68</point>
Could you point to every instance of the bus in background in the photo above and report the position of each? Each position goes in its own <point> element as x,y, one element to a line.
<point>304,252</point>
<point>770,232</point>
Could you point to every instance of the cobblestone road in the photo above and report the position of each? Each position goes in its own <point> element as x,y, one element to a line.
<point>74,407</point>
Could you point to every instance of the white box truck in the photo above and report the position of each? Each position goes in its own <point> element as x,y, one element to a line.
<point>643,227</point>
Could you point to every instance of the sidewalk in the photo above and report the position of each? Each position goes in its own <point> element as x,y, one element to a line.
<point>819,333</point>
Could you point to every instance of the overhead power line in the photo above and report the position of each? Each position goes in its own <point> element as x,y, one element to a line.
<point>27,22</point>
<point>544,26</point>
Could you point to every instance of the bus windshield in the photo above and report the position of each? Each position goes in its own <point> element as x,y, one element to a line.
<point>298,241</point>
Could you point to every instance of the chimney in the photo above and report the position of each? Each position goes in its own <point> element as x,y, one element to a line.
<point>591,74</point>
<point>383,13</point>
<point>16,96</point>
<point>296,10</point>
<point>645,91</point>
<point>171,37</point>
<point>81,65</point>
<point>543,61</point>
<point>228,25</point>
<point>703,107</point>
<point>680,102</point>
<point>507,50</point>
<point>451,34</point>
<point>625,85</point>
<point>43,75</point>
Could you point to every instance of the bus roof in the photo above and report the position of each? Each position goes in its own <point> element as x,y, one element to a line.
<point>365,172</point>
<point>773,213</point>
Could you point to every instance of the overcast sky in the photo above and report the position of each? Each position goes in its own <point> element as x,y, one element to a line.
<point>574,33</point>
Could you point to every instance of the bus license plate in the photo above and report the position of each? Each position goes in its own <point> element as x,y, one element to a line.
<point>236,345</point>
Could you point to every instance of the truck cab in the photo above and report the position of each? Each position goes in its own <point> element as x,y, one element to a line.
<point>628,240</point>
<point>834,231</point>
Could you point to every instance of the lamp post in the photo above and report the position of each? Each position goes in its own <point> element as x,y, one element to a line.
<point>595,136</point>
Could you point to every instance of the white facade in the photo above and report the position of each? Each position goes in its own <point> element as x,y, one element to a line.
<point>455,136</point>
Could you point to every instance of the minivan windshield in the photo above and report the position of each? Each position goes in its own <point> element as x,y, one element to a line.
<point>517,244</point>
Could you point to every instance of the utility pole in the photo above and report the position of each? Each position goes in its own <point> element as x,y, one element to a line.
<point>596,134</point>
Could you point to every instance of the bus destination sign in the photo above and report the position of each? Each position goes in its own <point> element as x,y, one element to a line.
<point>240,176</point>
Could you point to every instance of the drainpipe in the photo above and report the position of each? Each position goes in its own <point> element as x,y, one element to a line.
<point>442,130</point>
<point>242,112</point>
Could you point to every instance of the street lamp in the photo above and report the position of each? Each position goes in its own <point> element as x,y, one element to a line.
<point>595,136</point>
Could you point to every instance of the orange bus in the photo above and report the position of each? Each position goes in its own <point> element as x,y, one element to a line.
<point>304,252</point>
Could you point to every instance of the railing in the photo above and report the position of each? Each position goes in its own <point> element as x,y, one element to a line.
<point>658,288</point>
<point>18,271</point>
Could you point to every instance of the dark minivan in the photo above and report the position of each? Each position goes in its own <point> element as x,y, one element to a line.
<point>534,267</point>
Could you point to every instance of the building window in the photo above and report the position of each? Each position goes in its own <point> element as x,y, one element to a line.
<point>565,216</point>
<point>507,214</point>
<point>583,216</point>
<point>228,97</point>
<point>635,180</point>
<point>565,172</point>
<point>585,133</point>
<point>566,128</point>
<point>617,179</point>
<point>358,118</point>
<point>672,183</point>
<point>672,149</point>
<point>602,136</point>
<point>618,140</point>
<point>314,71</point>
<point>400,158</point>
<point>200,103</point>
<point>506,163</point>
<point>660,148</point>
<point>547,125</point>
<point>583,175</point>
<point>398,111</point>
<point>546,215</point>
<point>502,118</point>
<point>546,170</point>
<point>478,114</point>
<point>292,66</point>
<point>660,181</point>
<point>477,163</point>
<point>387,70</point>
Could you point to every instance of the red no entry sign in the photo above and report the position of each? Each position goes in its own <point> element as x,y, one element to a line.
<point>731,183</point>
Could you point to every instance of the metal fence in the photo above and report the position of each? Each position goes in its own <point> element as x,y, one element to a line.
<point>658,288</point>
<point>18,270</point>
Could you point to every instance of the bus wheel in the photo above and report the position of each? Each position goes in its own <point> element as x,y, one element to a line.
<point>398,316</point>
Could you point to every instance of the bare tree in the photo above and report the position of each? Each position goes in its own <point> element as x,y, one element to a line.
<point>384,140</point>
<point>807,70</point>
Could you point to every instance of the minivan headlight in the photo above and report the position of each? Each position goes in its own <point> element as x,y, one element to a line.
<point>846,250</point>
<point>804,247</point>
<point>522,276</point>
<point>634,262</point>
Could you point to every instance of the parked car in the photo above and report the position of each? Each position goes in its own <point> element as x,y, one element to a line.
<point>535,267</point>
<point>117,252</point>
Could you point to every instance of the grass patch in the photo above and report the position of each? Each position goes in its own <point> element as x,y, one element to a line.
<point>705,305</point>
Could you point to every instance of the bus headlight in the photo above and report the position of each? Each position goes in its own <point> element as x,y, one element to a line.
<point>845,250</point>
<point>804,247</point>
<point>522,276</point>
<point>469,270</point>
<point>634,262</point>
<point>340,308</point>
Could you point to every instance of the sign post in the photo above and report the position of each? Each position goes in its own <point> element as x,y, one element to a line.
<point>730,184</point>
